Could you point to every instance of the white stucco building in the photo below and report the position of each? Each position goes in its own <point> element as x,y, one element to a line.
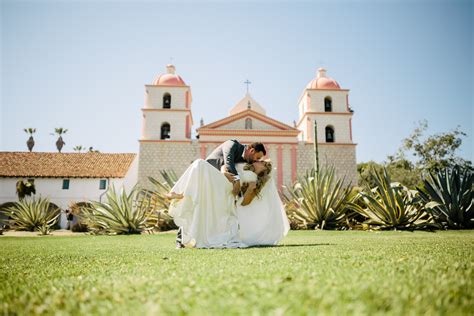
<point>66,178</point>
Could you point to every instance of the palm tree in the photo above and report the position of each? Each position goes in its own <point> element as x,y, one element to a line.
<point>79,148</point>
<point>59,143</point>
<point>31,142</point>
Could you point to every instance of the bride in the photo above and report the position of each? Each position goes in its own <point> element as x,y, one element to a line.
<point>261,215</point>
<point>209,216</point>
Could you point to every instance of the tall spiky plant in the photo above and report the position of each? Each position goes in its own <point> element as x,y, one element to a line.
<point>33,214</point>
<point>389,205</point>
<point>157,201</point>
<point>449,197</point>
<point>318,200</point>
<point>31,142</point>
<point>59,143</point>
<point>120,214</point>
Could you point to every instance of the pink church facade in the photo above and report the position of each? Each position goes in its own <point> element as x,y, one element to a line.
<point>167,120</point>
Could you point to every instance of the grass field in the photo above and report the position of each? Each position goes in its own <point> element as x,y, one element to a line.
<point>312,272</point>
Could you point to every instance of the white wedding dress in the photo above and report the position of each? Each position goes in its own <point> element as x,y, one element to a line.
<point>209,218</point>
<point>206,213</point>
<point>264,220</point>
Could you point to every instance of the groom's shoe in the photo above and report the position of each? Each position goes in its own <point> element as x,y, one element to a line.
<point>179,239</point>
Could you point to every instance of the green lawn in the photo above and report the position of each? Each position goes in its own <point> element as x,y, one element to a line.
<point>312,272</point>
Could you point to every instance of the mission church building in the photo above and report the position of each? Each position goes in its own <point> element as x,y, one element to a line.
<point>166,141</point>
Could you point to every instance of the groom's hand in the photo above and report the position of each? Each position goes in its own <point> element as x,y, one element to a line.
<point>236,189</point>
<point>229,176</point>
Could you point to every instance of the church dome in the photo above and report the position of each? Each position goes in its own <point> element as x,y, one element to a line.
<point>322,81</point>
<point>170,78</point>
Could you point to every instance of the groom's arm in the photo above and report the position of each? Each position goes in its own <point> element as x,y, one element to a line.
<point>229,151</point>
<point>227,174</point>
<point>231,178</point>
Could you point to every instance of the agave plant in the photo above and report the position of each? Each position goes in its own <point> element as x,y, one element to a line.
<point>45,229</point>
<point>32,214</point>
<point>449,197</point>
<point>120,214</point>
<point>318,200</point>
<point>389,205</point>
<point>157,202</point>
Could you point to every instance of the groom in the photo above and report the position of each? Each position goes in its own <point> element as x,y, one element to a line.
<point>228,154</point>
<point>231,152</point>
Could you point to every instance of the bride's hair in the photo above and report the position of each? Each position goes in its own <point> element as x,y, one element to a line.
<point>262,177</point>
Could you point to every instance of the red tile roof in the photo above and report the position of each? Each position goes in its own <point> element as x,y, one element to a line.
<point>64,165</point>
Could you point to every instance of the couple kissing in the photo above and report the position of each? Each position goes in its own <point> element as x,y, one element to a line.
<point>228,200</point>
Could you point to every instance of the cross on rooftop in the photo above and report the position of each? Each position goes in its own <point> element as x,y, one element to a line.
<point>247,82</point>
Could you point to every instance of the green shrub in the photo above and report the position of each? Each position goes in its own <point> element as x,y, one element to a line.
<point>390,205</point>
<point>77,209</point>
<point>158,203</point>
<point>79,227</point>
<point>318,201</point>
<point>120,214</point>
<point>4,215</point>
<point>449,197</point>
<point>32,214</point>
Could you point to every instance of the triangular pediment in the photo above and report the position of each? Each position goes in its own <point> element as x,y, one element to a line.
<point>239,121</point>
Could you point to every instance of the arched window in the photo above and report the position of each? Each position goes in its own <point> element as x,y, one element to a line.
<point>327,104</point>
<point>330,134</point>
<point>167,101</point>
<point>248,123</point>
<point>165,131</point>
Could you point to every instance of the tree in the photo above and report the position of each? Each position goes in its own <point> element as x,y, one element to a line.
<point>404,171</point>
<point>365,174</point>
<point>79,148</point>
<point>59,143</point>
<point>31,142</point>
<point>24,189</point>
<point>434,152</point>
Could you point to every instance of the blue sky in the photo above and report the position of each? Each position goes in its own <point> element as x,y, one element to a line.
<point>82,65</point>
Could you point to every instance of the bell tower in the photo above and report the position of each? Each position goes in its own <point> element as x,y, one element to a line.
<point>325,102</point>
<point>167,112</point>
<point>165,141</point>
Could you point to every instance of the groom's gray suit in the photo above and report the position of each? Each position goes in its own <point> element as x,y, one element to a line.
<point>228,153</point>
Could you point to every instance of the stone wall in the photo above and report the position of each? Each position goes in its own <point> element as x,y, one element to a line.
<point>342,157</point>
<point>156,156</point>
<point>178,156</point>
